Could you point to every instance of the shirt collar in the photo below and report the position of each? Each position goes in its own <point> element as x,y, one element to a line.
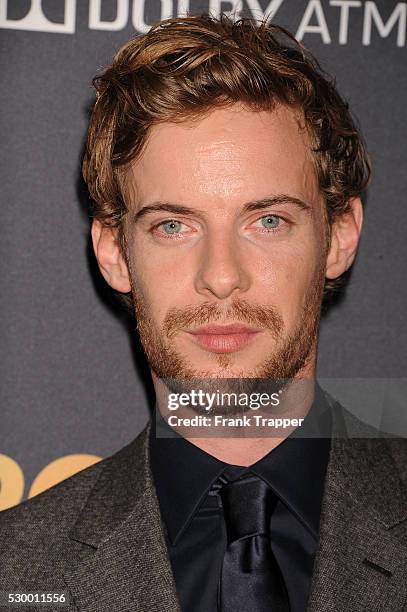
<point>183,474</point>
<point>295,470</point>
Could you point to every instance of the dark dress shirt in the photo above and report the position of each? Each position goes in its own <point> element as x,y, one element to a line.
<point>193,518</point>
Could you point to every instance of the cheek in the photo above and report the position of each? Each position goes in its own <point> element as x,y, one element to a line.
<point>159,281</point>
<point>283,276</point>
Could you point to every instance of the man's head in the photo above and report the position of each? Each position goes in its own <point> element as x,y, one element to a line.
<point>226,174</point>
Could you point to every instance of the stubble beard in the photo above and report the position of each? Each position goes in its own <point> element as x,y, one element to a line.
<point>283,364</point>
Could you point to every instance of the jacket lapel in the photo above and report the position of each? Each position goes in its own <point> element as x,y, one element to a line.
<point>121,561</point>
<point>360,564</point>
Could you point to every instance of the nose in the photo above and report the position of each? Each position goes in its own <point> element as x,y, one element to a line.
<point>221,270</point>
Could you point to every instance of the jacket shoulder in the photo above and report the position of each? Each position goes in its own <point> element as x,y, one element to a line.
<point>34,536</point>
<point>58,502</point>
<point>398,449</point>
<point>51,514</point>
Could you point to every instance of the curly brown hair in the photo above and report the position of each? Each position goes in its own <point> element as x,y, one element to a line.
<point>184,67</point>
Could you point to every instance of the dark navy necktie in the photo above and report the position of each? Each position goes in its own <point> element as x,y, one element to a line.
<point>251,580</point>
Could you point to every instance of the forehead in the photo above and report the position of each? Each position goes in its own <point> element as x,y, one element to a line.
<point>227,157</point>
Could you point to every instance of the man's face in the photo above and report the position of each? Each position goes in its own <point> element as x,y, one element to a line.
<point>226,242</point>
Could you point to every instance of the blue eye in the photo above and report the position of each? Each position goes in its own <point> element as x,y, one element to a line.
<point>270,221</point>
<point>171,227</point>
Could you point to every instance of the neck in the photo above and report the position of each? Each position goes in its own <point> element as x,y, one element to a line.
<point>238,448</point>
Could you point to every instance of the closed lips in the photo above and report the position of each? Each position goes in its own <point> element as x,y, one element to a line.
<point>224,338</point>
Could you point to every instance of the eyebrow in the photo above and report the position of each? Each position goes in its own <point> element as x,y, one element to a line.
<point>248,207</point>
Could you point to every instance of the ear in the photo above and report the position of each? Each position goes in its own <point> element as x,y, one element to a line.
<point>345,233</point>
<point>109,256</point>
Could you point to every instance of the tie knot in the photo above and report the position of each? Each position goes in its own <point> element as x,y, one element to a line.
<point>247,506</point>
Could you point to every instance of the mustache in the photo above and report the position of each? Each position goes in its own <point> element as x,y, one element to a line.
<point>266,317</point>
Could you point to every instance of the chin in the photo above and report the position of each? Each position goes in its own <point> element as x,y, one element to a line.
<point>225,369</point>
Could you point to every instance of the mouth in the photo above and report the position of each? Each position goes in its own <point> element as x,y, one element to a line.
<point>224,338</point>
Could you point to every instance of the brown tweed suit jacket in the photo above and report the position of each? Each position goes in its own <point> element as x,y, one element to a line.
<point>98,535</point>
